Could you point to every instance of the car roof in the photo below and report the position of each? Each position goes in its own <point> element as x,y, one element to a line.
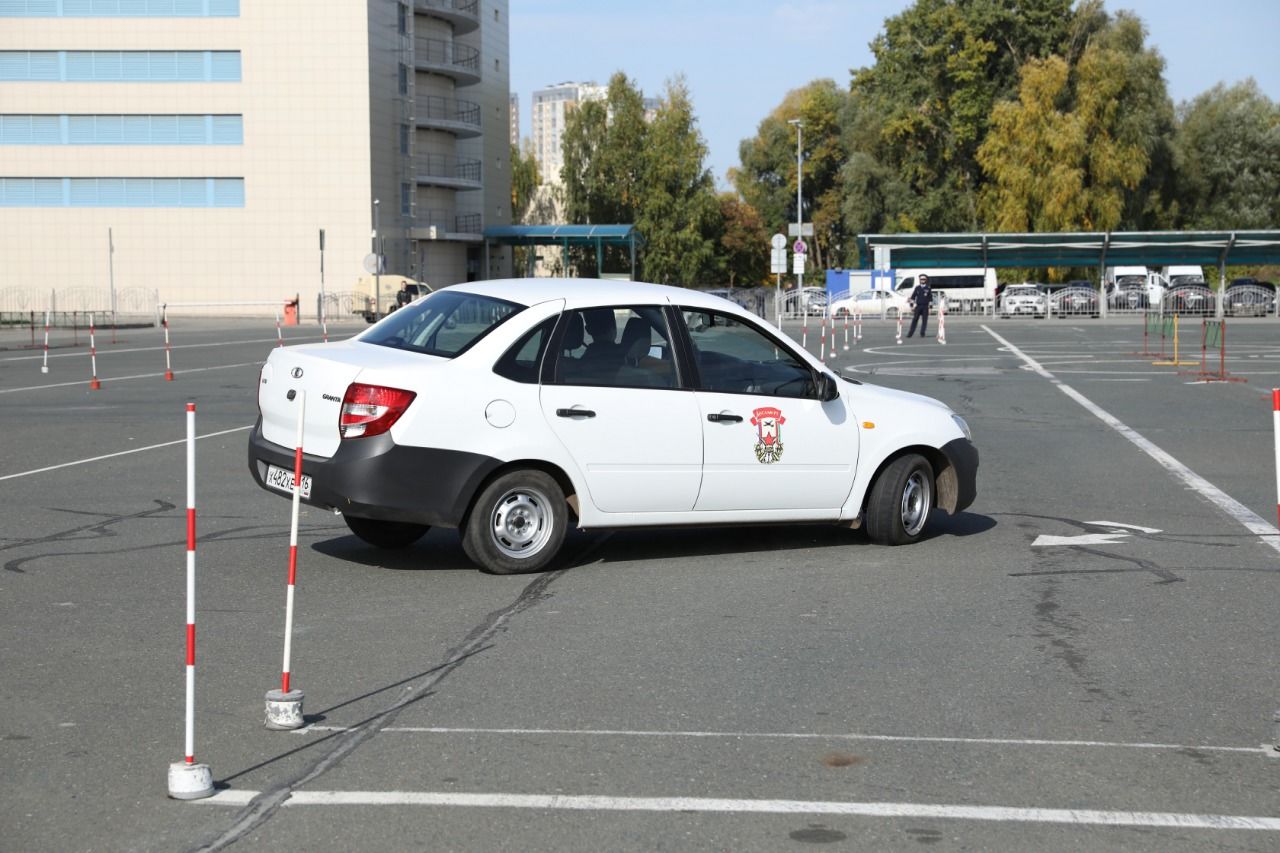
<point>578,292</point>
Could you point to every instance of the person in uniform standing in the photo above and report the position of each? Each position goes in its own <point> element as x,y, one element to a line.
<point>921,297</point>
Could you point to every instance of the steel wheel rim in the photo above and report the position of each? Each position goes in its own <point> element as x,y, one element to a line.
<point>915,503</point>
<point>520,524</point>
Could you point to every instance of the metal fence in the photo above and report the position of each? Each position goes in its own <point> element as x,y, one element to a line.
<point>18,304</point>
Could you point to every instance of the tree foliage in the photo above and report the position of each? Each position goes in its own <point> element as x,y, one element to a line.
<point>1228,159</point>
<point>524,182</point>
<point>744,242</point>
<point>620,169</point>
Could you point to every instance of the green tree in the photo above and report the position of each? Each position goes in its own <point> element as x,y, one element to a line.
<point>1228,159</point>
<point>1074,151</point>
<point>679,214</point>
<point>744,242</point>
<point>766,178</point>
<point>941,66</point>
<point>524,181</point>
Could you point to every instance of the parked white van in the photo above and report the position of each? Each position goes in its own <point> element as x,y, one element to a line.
<point>966,289</point>
<point>1133,287</point>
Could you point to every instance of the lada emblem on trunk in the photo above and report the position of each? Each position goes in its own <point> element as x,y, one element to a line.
<point>296,373</point>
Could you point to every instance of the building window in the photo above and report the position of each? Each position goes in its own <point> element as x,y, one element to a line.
<point>402,19</point>
<point>116,66</point>
<point>20,129</point>
<point>404,139</point>
<point>119,8</point>
<point>406,200</point>
<point>121,192</point>
<point>403,83</point>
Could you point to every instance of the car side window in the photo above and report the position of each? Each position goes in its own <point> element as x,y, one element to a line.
<point>521,362</point>
<point>616,347</point>
<point>735,357</point>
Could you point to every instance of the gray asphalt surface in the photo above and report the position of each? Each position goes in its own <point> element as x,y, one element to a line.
<point>802,664</point>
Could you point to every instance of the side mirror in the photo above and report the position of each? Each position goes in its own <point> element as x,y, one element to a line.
<point>828,389</point>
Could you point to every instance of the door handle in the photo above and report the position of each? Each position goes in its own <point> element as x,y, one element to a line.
<point>719,417</point>
<point>575,413</point>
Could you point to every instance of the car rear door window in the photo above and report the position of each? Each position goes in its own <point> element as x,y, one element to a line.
<point>616,347</point>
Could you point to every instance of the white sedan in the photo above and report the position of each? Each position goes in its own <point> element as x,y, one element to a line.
<point>1023,299</point>
<point>872,303</point>
<point>511,409</point>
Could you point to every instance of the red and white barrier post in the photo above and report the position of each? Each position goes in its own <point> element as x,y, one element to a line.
<point>823,345</point>
<point>284,706</point>
<point>279,334</point>
<point>857,327</point>
<point>804,327</point>
<point>899,326</point>
<point>1275,420</point>
<point>846,330</point>
<point>187,779</point>
<point>942,321</point>
<point>168,369</point>
<point>44,368</point>
<point>94,384</point>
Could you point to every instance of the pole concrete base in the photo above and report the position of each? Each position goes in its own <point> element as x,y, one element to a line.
<point>190,781</point>
<point>284,710</point>
<point>44,368</point>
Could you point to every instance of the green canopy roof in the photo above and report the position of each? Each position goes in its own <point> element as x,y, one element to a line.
<point>1116,248</point>
<point>558,235</point>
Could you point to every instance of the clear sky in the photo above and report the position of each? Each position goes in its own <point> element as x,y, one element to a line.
<point>740,57</point>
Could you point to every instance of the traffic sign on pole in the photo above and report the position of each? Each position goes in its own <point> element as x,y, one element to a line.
<point>778,241</point>
<point>799,247</point>
<point>778,260</point>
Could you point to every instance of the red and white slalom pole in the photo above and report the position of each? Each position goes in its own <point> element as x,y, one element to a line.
<point>187,779</point>
<point>324,323</point>
<point>899,327</point>
<point>857,327</point>
<point>942,321</point>
<point>823,345</point>
<point>168,369</point>
<point>279,334</point>
<point>804,328</point>
<point>94,384</point>
<point>284,706</point>
<point>1275,419</point>
<point>846,330</point>
<point>44,368</point>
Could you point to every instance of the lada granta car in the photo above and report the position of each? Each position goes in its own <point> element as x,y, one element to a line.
<point>511,409</point>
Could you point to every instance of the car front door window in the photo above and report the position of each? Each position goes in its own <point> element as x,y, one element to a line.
<point>734,357</point>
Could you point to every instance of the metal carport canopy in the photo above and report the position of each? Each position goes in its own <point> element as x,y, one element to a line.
<point>566,236</point>
<point>1116,248</point>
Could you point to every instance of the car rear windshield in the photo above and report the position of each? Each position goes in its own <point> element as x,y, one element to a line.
<point>446,323</point>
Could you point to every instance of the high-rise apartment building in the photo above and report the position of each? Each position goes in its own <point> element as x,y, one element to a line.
<point>551,106</point>
<point>216,138</point>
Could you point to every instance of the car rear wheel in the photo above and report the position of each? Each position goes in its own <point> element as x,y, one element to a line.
<point>900,501</point>
<point>517,524</point>
<point>386,534</point>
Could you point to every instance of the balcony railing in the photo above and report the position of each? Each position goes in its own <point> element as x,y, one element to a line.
<point>452,113</point>
<point>461,60</point>
<point>463,14</point>
<point>448,221</point>
<point>460,169</point>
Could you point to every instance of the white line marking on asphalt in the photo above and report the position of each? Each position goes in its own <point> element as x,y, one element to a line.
<point>1126,526</point>
<point>121,453</point>
<point>1044,540</point>
<point>562,802</point>
<point>1247,518</point>
<point>450,730</point>
<point>105,380</point>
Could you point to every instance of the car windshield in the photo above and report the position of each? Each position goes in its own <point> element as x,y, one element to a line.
<point>446,323</point>
<point>1131,281</point>
<point>1186,279</point>
<point>1024,290</point>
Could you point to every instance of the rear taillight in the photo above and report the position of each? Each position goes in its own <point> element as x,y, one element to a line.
<point>371,409</point>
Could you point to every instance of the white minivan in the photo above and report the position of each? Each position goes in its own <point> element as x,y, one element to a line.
<point>966,289</point>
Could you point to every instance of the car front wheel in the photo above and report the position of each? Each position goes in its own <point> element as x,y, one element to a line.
<point>900,501</point>
<point>386,534</point>
<point>517,524</point>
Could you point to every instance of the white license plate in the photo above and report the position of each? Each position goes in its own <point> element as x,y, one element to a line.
<point>279,478</point>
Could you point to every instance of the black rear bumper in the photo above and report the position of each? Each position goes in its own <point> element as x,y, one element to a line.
<point>376,478</point>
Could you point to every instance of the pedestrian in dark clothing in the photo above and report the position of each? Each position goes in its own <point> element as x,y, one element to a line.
<point>920,299</point>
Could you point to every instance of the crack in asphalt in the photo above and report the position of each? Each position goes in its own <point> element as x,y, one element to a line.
<point>266,804</point>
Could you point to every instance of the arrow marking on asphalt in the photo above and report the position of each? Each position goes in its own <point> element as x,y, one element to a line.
<point>1083,539</point>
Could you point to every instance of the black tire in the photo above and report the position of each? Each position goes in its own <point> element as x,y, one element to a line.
<point>900,502</point>
<point>391,535</point>
<point>517,524</point>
